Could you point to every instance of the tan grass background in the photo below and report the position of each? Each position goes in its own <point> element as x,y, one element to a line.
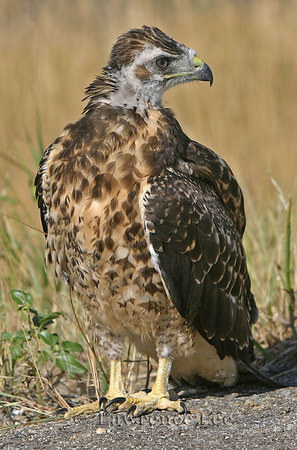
<point>51,49</point>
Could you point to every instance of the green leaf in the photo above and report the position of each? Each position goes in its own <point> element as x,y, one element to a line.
<point>68,363</point>
<point>15,336</point>
<point>104,382</point>
<point>44,320</point>
<point>44,357</point>
<point>49,338</point>
<point>20,297</point>
<point>5,336</point>
<point>71,346</point>
<point>36,320</point>
<point>21,336</point>
<point>16,351</point>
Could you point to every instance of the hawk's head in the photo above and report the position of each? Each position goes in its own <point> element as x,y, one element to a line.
<point>146,62</point>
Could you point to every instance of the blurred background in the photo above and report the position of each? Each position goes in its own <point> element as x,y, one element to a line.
<point>52,49</point>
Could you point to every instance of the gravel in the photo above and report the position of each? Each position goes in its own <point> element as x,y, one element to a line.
<point>242,417</point>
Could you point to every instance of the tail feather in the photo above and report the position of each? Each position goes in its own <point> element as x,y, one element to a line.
<point>261,376</point>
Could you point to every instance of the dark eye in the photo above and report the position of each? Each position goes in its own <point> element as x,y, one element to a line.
<point>162,63</point>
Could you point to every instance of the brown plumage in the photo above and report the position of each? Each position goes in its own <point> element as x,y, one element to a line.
<point>146,225</point>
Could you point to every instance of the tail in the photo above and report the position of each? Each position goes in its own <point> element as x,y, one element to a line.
<point>266,380</point>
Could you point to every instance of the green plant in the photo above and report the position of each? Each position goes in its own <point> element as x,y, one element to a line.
<point>288,272</point>
<point>34,345</point>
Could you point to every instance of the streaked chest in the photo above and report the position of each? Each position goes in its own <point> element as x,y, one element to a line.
<point>97,171</point>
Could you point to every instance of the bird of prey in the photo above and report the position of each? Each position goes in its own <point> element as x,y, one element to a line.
<point>146,226</point>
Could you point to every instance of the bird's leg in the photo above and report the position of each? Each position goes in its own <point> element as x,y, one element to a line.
<point>115,392</point>
<point>116,385</point>
<point>161,383</point>
<point>158,398</point>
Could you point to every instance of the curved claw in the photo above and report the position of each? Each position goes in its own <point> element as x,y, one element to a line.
<point>119,400</point>
<point>185,409</point>
<point>60,411</point>
<point>147,391</point>
<point>102,400</point>
<point>130,410</point>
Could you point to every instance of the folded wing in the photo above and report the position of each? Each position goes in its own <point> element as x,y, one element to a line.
<point>194,234</point>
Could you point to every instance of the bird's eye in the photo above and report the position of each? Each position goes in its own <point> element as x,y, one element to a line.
<point>162,63</point>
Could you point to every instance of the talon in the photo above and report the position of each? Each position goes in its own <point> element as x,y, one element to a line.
<point>179,391</point>
<point>130,410</point>
<point>185,409</point>
<point>147,391</point>
<point>173,395</point>
<point>60,411</point>
<point>119,400</point>
<point>101,401</point>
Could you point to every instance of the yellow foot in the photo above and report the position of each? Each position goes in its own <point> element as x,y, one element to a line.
<point>142,403</point>
<point>135,404</point>
<point>90,408</point>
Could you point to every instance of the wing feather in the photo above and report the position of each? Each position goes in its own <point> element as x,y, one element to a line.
<point>203,163</point>
<point>42,188</point>
<point>201,259</point>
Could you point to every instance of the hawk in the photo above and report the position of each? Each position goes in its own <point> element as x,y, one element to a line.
<point>146,226</point>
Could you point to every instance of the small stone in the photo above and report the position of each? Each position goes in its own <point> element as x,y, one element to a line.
<point>74,436</point>
<point>287,392</point>
<point>101,430</point>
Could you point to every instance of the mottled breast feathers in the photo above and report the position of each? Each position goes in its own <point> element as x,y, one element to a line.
<point>191,208</point>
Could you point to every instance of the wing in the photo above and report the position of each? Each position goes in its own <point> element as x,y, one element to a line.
<point>197,249</point>
<point>66,184</point>
<point>42,188</point>
<point>203,163</point>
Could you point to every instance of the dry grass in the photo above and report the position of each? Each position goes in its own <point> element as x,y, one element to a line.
<point>51,50</point>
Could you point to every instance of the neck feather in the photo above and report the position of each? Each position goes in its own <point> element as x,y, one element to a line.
<point>100,90</point>
<point>119,91</point>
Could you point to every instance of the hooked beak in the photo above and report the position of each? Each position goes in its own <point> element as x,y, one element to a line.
<point>199,71</point>
<point>202,71</point>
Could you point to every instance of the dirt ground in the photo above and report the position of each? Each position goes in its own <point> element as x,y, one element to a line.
<point>243,417</point>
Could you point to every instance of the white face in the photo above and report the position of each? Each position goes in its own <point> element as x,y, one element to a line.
<point>144,87</point>
<point>137,90</point>
<point>151,73</point>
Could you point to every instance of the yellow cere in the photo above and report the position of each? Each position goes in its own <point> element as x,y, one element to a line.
<point>197,61</point>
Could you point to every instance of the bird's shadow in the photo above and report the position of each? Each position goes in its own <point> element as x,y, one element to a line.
<point>246,386</point>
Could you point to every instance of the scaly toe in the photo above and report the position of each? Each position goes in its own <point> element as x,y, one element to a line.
<point>165,403</point>
<point>90,408</point>
<point>150,402</point>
